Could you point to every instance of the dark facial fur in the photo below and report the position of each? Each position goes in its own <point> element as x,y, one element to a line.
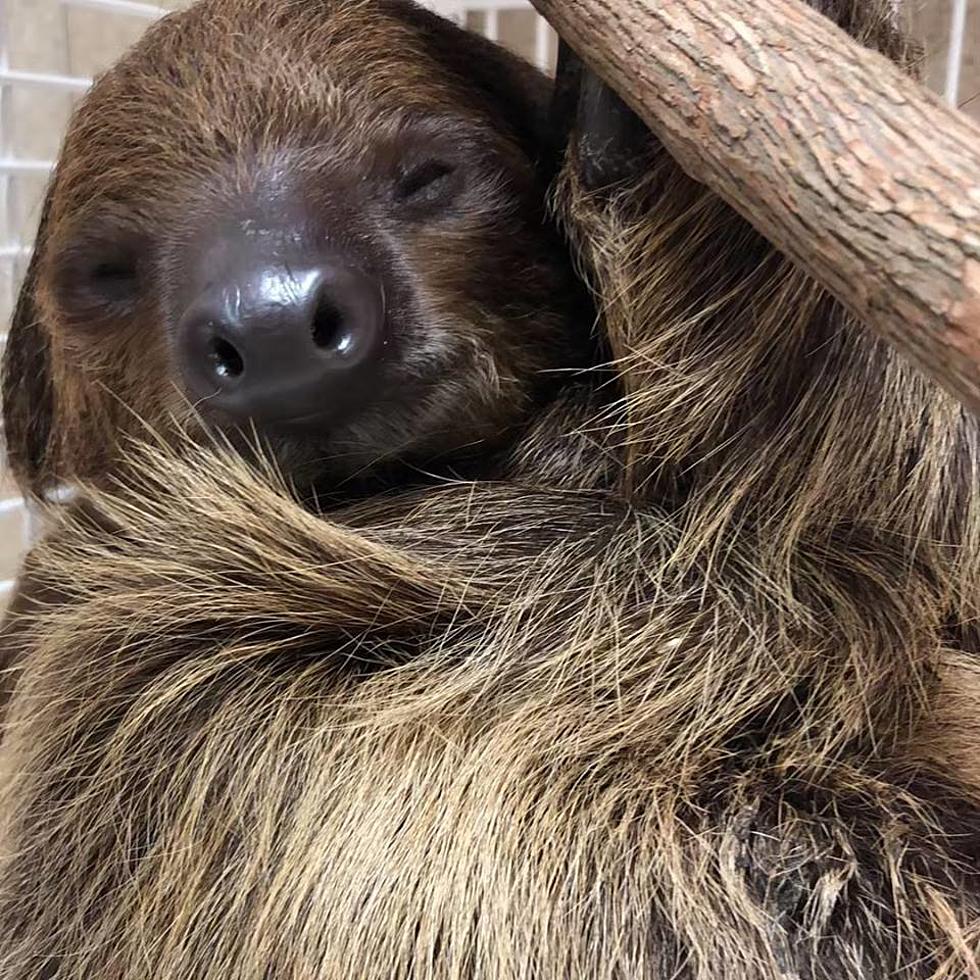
<point>718,722</point>
<point>370,138</point>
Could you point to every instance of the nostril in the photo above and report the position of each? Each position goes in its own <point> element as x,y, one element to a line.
<point>226,360</point>
<point>328,325</point>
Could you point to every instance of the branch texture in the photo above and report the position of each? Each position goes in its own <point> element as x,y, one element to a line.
<point>857,172</point>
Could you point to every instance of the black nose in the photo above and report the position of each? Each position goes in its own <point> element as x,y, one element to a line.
<point>283,343</point>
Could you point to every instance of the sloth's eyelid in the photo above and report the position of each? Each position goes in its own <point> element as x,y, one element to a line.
<point>97,275</point>
<point>113,276</point>
<point>423,176</point>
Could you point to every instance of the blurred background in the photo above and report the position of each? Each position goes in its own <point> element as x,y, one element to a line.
<point>50,50</point>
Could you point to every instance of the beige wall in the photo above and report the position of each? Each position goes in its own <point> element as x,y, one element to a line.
<point>516,29</point>
<point>931,23</point>
<point>49,36</point>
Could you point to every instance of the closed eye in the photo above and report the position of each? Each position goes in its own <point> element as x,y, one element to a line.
<point>113,279</point>
<point>96,279</point>
<point>424,181</point>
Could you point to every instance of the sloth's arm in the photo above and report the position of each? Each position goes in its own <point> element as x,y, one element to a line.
<point>217,547</point>
<point>610,143</point>
<point>195,556</point>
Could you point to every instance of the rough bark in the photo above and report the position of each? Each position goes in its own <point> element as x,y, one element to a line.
<point>865,178</point>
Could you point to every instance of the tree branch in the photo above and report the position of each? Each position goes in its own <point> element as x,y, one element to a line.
<point>866,179</point>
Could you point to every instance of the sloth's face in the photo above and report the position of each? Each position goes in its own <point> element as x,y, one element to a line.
<point>314,228</point>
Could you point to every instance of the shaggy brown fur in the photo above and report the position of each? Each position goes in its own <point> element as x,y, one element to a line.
<point>694,726</point>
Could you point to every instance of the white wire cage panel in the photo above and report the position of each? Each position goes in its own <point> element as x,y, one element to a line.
<point>50,49</point>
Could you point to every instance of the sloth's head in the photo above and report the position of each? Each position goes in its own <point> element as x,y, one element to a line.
<point>322,222</point>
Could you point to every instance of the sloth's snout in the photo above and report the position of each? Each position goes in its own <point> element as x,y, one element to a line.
<point>278,339</point>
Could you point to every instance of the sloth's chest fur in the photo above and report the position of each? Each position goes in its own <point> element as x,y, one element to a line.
<point>550,750</point>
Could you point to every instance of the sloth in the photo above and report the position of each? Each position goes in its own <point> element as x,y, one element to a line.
<point>671,673</point>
